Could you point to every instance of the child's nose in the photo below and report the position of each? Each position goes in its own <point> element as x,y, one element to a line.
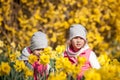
<point>78,39</point>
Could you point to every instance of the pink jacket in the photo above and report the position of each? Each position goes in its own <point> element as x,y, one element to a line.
<point>39,69</point>
<point>86,66</point>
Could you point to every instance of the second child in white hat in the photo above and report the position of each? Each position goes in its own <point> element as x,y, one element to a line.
<point>78,47</point>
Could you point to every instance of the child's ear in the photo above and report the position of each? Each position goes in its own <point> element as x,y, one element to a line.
<point>86,41</point>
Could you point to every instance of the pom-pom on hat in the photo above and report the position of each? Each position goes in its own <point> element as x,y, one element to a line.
<point>77,30</point>
<point>38,41</point>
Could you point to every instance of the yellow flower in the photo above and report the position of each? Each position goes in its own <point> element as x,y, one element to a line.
<point>47,51</point>
<point>17,53</point>
<point>44,59</point>
<point>24,1</point>
<point>52,76</point>
<point>111,70</point>
<point>60,49</point>
<point>85,2</point>
<point>0,71</point>
<point>58,76</point>
<point>13,44</point>
<point>92,75</point>
<point>1,43</point>
<point>76,70</point>
<point>61,76</point>
<point>103,59</point>
<point>1,19</point>
<point>81,61</point>
<point>64,64</point>
<point>32,58</point>
<point>12,57</point>
<point>28,72</point>
<point>59,63</point>
<point>4,68</point>
<point>53,55</point>
<point>53,38</point>
<point>36,15</point>
<point>70,21</point>
<point>19,65</point>
<point>76,20</point>
<point>66,25</point>
<point>68,67</point>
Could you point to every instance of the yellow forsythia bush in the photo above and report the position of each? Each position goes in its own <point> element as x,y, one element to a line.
<point>19,19</point>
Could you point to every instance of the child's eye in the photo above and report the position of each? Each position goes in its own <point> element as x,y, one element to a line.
<point>75,37</point>
<point>40,49</point>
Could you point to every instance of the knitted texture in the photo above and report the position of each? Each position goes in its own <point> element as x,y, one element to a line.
<point>38,41</point>
<point>77,30</point>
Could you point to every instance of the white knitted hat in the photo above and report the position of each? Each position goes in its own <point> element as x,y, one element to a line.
<point>38,41</point>
<point>77,30</point>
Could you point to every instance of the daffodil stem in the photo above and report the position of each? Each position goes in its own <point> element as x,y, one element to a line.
<point>69,77</point>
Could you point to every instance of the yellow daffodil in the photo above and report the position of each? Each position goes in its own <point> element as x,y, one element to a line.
<point>60,49</point>
<point>81,61</point>
<point>32,58</point>
<point>12,57</point>
<point>103,59</point>
<point>44,59</point>
<point>92,75</point>
<point>5,68</point>
<point>19,66</point>
<point>28,72</point>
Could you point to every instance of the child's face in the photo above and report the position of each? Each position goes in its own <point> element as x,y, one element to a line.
<point>77,43</point>
<point>37,51</point>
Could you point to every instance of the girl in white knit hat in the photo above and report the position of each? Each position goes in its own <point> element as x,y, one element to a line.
<point>78,47</point>
<point>38,43</point>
